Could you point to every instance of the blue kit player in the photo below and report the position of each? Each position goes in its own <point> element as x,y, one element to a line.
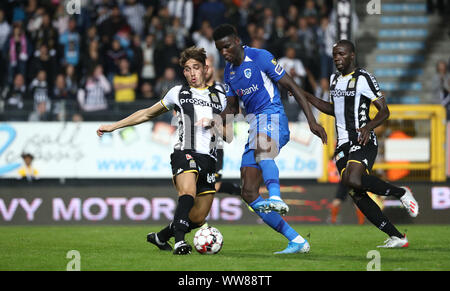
<point>251,76</point>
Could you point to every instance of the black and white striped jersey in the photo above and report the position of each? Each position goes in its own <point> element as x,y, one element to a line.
<point>351,96</point>
<point>191,105</point>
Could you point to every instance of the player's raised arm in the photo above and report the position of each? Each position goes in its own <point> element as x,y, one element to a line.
<point>137,117</point>
<point>289,84</point>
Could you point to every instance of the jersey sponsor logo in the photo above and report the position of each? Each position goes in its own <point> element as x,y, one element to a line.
<point>199,102</point>
<point>278,69</point>
<point>338,93</point>
<point>248,73</point>
<point>354,148</point>
<point>246,91</point>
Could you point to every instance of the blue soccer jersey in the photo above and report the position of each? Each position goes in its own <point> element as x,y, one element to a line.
<point>254,81</point>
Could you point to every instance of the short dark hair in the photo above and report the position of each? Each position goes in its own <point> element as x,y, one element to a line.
<point>224,30</point>
<point>347,43</point>
<point>193,52</point>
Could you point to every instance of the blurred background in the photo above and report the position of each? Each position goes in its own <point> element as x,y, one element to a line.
<point>68,66</point>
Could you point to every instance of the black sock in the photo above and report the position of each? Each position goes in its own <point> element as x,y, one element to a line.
<point>166,233</point>
<point>373,213</point>
<point>380,187</point>
<point>230,188</point>
<point>181,217</point>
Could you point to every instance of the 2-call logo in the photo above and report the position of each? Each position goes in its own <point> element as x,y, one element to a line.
<point>7,136</point>
<point>440,198</point>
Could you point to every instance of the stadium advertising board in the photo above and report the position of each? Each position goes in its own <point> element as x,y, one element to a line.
<point>147,205</point>
<point>73,150</point>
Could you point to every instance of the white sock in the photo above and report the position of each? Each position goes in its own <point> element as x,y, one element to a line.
<point>299,239</point>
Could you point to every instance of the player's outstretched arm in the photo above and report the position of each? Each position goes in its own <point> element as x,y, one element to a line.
<point>382,114</point>
<point>321,105</point>
<point>138,117</point>
<point>289,84</point>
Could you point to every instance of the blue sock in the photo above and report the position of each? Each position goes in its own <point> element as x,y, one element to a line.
<point>275,221</point>
<point>271,177</point>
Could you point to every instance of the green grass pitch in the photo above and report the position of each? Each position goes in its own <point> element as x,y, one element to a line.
<point>246,248</point>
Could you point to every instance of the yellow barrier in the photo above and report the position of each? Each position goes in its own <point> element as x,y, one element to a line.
<point>434,113</point>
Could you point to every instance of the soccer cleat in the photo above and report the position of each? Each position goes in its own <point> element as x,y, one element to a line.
<point>409,202</point>
<point>268,205</point>
<point>182,248</point>
<point>395,242</point>
<point>153,238</point>
<point>294,248</point>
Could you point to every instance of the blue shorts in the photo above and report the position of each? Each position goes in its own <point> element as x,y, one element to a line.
<point>274,125</point>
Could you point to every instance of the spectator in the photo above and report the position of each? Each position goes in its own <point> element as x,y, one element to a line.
<point>92,96</point>
<point>71,79</point>
<point>183,10</point>
<point>39,91</point>
<point>112,25</point>
<point>62,99</point>
<point>278,36</point>
<point>46,34</point>
<point>326,37</point>
<point>157,29</point>
<point>134,13</point>
<point>293,66</point>
<point>92,58</point>
<point>70,40</point>
<point>5,30</point>
<point>204,39</point>
<point>148,52</point>
<point>441,86</point>
<point>40,113</point>
<point>166,55</point>
<point>15,96</point>
<point>113,56</point>
<point>181,33</point>
<point>125,83</point>
<point>61,19</point>
<point>308,41</point>
<point>168,80</point>
<point>146,93</point>
<point>43,61</point>
<point>27,171</point>
<point>18,53</point>
<point>137,58</point>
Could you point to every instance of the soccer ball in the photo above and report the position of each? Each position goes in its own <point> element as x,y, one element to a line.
<point>208,240</point>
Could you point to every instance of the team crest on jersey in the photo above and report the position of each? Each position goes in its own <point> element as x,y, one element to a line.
<point>274,62</point>
<point>248,73</point>
<point>214,98</point>
<point>278,69</point>
<point>351,84</point>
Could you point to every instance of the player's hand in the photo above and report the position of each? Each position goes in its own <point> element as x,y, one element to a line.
<point>104,128</point>
<point>364,135</point>
<point>318,130</point>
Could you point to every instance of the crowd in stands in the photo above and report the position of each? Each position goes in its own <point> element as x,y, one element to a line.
<point>110,58</point>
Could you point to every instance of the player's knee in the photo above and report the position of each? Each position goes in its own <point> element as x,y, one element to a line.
<point>357,195</point>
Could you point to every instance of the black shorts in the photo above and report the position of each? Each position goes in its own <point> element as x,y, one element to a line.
<point>357,153</point>
<point>219,165</point>
<point>341,192</point>
<point>203,165</point>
